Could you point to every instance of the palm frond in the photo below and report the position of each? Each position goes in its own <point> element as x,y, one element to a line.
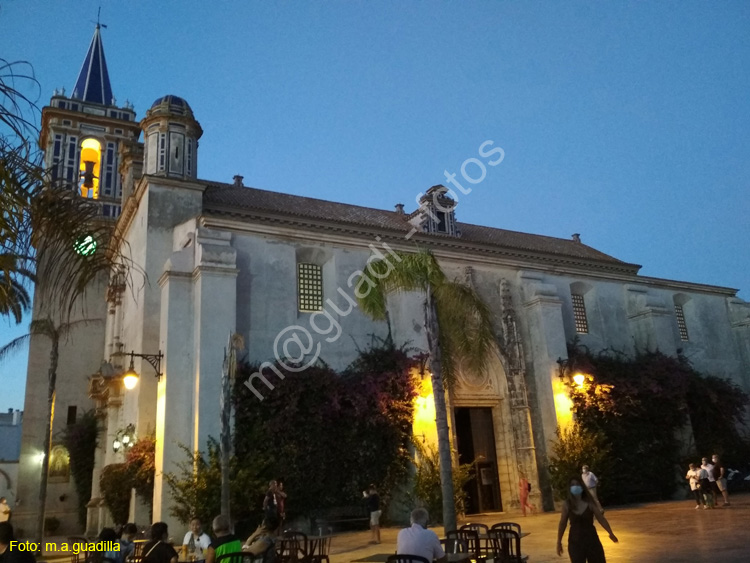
<point>13,346</point>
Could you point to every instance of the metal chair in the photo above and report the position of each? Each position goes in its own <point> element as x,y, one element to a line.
<point>506,545</point>
<point>507,526</point>
<point>406,558</point>
<point>482,529</point>
<point>471,539</point>
<point>454,546</point>
<point>318,548</point>
<point>82,555</point>
<point>293,546</point>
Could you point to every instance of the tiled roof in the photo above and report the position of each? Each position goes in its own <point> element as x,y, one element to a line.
<point>230,198</point>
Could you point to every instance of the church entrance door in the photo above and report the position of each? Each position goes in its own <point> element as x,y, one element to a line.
<point>475,441</point>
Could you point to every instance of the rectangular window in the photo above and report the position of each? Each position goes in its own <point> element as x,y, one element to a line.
<point>579,314</point>
<point>310,287</point>
<point>680,314</point>
<point>109,174</point>
<point>72,412</point>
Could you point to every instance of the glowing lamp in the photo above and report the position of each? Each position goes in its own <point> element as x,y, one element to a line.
<point>579,378</point>
<point>116,445</point>
<point>130,380</point>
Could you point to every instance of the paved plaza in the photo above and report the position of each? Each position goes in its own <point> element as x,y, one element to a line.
<point>665,532</point>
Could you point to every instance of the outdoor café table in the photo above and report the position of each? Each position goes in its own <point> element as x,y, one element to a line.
<point>318,547</point>
<point>383,557</point>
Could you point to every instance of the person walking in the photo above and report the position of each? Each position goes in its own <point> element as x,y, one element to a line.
<point>693,477</point>
<point>524,488</point>
<point>591,481</point>
<point>704,486</point>
<point>373,507</point>
<point>720,475</point>
<point>712,488</point>
<point>583,542</point>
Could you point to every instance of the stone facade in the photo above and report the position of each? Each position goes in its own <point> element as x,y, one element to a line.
<point>214,258</point>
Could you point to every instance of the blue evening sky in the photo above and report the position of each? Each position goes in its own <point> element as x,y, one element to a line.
<point>628,122</point>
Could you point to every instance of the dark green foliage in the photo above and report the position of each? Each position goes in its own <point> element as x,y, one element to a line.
<point>639,407</point>
<point>428,491</point>
<point>575,447</point>
<point>328,435</point>
<point>80,440</point>
<point>141,462</point>
<point>717,408</point>
<point>115,485</point>
<point>197,487</point>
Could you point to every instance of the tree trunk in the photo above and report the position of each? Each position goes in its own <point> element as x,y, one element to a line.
<point>441,413</point>
<point>225,438</point>
<point>53,358</point>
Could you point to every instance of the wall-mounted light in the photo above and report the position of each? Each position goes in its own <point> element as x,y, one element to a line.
<point>130,377</point>
<point>124,439</point>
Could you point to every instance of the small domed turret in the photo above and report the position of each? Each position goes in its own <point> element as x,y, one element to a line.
<point>171,134</point>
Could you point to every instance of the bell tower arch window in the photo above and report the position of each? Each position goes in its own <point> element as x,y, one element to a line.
<point>90,168</point>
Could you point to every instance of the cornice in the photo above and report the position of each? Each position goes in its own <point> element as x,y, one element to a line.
<point>448,248</point>
<point>48,112</point>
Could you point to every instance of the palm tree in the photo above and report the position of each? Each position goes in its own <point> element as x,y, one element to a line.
<point>55,333</point>
<point>43,223</point>
<point>458,329</point>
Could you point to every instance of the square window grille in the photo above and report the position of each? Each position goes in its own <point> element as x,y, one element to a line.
<point>579,314</point>
<point>310,287</point>
<point>680,314</point>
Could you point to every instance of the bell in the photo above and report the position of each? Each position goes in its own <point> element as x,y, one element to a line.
<point>88,174</point>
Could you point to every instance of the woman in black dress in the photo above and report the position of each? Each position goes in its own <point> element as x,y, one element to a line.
<point>583,542</point>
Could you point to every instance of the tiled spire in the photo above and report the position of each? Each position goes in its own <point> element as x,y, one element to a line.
<point>93,80</point>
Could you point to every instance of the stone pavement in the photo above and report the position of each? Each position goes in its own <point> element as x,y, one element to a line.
<point>665,532</point>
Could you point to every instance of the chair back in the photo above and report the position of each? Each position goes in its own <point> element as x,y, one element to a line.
<point>82,554</point>
<point>507,544</point>
<point>138,549</point>
<point>318,548</point>
<point>470,538</point>
<point>406,558</point>
<point>454,546</point>
<point>481,529</point>
<point>293,545</point>
<point>507,526</point>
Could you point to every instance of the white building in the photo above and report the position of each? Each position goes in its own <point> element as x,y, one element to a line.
<point>213,258</point>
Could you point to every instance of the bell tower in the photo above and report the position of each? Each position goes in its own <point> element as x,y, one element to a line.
<point>81,133</point>
<point>171,136</point>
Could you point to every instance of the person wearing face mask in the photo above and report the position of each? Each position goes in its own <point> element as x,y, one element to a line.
<point>720,476</point>
<point>583,542</point>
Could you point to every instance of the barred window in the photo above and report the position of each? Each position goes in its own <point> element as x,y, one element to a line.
<point>579,314</point>
<point>310,287</point>
<point>680,314</point>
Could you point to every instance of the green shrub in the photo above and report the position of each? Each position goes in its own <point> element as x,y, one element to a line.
<point>427,489</point>
<point>576,446</point>
<point>115,484</point>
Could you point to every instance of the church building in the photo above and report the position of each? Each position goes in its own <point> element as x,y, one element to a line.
<point>210,258</point>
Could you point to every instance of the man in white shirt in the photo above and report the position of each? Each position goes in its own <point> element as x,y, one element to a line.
<point>195,539</point>
<point>709,467</point>
<point>590,480</point>
<point>693,476</point>
<point>418,540</point>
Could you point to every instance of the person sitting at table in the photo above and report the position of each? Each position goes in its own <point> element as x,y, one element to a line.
<point>127,541</point>
<point>225,542</point>
<point>418,540</point>
<point>196,540</point>
<point>157,550</point>
<point>263,538</point>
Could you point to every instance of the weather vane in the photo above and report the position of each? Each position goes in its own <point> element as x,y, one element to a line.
<point>97,22</point>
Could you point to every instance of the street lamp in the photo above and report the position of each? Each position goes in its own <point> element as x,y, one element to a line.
<point>130,377</point>
<point>124,439</point>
